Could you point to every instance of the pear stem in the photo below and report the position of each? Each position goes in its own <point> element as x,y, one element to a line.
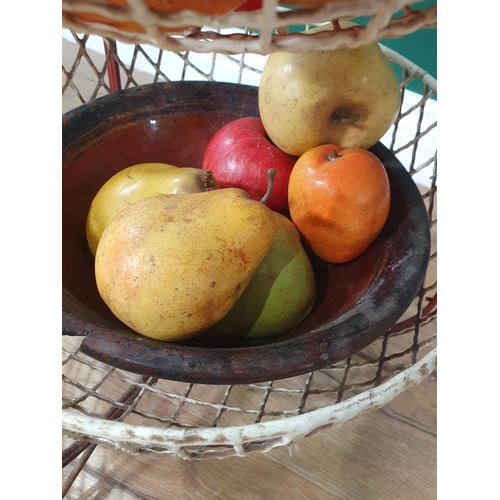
<point>270,184</point>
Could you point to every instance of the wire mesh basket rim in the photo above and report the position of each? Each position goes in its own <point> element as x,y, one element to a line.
<point>413,68</point>
<point>287,430</point>
<point>270,21</point>
<point>270,433</point>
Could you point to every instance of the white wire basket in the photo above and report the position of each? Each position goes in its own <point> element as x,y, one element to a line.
<point>267,29</point>
<point>103,405</point>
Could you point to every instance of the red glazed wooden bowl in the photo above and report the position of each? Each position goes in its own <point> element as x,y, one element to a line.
<point>172,123</point>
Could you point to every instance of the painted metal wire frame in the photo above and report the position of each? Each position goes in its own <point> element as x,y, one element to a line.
<point>221,442</point>
<point>108,406</point>
<point>267,27</point>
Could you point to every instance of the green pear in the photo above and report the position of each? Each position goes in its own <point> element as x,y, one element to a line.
<point>170,266</point>
<point>280,294</point>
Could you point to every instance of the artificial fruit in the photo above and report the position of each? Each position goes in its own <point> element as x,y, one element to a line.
<point>280,294</point>
<point>170,266</point>
<point>240,155</point>
<point>140,181</point>
<point>215,7</point>
<point>339,200</point>
<point>348,97</point>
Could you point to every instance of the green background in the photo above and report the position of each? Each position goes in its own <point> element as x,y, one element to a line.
<point>419,47</point>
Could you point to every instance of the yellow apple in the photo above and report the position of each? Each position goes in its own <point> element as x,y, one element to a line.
<point>137,182</point>
<point>348,97</point>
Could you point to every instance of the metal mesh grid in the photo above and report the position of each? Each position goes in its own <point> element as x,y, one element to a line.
<point>143,21</point>
<point>96,395</point>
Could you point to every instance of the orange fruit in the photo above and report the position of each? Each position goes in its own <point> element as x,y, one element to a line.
<point>165,6</point>
<point>339,200</point>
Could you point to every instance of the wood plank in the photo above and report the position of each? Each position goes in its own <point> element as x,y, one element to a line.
<point>389,454</point>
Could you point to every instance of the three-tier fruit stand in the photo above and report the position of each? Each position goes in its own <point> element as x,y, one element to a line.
<point>108,406</point>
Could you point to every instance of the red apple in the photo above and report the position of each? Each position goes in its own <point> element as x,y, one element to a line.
<point>250,5</point>
<point>240,155</point>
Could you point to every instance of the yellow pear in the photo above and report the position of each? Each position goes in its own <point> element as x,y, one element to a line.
<point>140,181</point>
<point>170,266</point>
<point>348,97</point>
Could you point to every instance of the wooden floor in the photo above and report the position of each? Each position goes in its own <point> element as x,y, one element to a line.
<point>386,454</point>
